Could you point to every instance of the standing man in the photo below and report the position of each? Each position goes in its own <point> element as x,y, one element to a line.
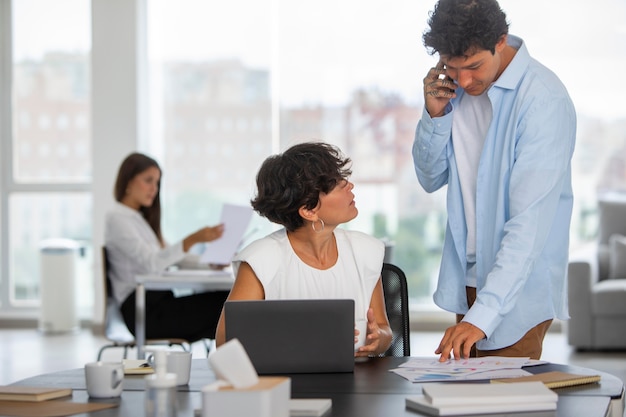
<point>498,128</point>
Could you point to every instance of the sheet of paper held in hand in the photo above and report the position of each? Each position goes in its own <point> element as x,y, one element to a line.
<point>490,367</point>
<point>221,251</point>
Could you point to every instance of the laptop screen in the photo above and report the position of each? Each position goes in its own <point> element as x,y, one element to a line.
<point>294,336</point>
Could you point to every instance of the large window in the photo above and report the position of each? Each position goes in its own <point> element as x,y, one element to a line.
<point>235,81</point>
<point>211,123</point>
<point>47,156</point>
<point>232,82</point>
<point>581,46</point>
<point>229,88</point>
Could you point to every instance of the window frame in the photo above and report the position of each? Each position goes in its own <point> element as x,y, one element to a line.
<point>8,185</point>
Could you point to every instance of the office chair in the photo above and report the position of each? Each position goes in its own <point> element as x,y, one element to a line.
<point>115,329</point>
<point>397,307</point>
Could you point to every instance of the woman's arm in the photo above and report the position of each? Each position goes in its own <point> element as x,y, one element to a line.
<point>247,287</point>
<point>378,331</point>
<point>206,234</point>
<point>134,247</point>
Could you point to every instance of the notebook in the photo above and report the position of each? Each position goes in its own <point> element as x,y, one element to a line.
<point>294,336</point>
<point>555,379</point>
<point>24,393</point>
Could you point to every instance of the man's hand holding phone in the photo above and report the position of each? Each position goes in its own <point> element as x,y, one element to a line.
<point>438,90</point>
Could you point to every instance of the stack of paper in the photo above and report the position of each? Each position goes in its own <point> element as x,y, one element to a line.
<point>490,367</point>
<point>440,399</point>
<point>235,219</point>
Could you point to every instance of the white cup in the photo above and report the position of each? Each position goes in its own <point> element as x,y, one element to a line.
<point>104,379</point>
<point>361,326</point>
<point>179,363</point>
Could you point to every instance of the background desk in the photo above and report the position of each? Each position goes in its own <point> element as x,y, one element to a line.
<point>196,279</point>
<point>371,391</point>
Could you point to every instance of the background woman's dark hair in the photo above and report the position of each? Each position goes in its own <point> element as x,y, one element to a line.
<point>296,178</point>
<point>459,26</point>
<point>134,164</point>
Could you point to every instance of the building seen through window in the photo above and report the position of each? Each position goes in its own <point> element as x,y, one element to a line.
<point>48,192</point>
<point>228,90</point>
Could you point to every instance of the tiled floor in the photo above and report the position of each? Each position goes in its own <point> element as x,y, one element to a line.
<point>27,352</point>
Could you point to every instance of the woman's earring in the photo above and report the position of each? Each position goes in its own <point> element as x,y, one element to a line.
<point>322,228</point>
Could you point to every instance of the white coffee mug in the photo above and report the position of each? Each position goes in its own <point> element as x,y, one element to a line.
<point>361,326</point>
<point>104,379</point>
<point>179,363</point>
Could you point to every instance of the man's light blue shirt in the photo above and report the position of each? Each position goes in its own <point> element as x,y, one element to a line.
<point>523,203</point>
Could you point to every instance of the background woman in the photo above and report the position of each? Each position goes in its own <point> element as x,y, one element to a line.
<point>135,246</point>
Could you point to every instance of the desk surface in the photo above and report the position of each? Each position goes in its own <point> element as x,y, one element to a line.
<point>195,279</point>
<point>370,391</point>
<point>210,279</point>
<point>131,403</point>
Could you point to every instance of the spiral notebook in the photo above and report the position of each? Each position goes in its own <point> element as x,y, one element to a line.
<point>555,379</point>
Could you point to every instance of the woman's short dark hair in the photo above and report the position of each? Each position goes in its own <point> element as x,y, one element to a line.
<point>295,178</point>
<point>135,164</point>
<point>459,27</point>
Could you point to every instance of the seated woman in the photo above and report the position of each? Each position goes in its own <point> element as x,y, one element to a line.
<point>306,190</point>
<point>135,246</point>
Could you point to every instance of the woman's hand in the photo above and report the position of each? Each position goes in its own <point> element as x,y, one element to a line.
<point>206,234</point>
<point>372,339</point>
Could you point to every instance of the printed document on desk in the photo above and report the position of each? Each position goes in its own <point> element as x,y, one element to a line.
<point>235,219</point>
<point>491,367</point>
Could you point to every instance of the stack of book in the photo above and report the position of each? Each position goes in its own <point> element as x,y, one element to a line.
<point>16,400</point>
<point>455,399</point>
<point>35,394</point>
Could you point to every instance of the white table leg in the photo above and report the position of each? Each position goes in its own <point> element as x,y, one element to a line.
<point>140,320</point>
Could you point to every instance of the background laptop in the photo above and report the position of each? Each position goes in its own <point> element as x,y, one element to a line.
<point>294,336</point>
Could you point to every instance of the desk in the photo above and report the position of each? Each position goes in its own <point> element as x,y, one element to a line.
<point>196,279</point>
<point>371,391</point>
<point>131,403</point>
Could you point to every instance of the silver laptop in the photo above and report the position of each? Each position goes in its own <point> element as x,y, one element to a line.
<point>294,336</point>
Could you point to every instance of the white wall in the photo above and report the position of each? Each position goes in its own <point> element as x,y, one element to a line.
<point>117,33</point>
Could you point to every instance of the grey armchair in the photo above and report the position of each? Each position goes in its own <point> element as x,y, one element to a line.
<point>597,284</point>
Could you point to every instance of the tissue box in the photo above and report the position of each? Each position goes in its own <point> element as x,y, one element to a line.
<point>269,398</point>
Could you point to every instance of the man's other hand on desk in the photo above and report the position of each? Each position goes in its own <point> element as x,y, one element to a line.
<point>458,340</point>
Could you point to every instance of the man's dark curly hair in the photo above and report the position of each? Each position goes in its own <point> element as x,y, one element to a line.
<point>295,178</point>
<point>462,27</point>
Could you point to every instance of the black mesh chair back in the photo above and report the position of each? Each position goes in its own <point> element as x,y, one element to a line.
<point>397,306</point>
